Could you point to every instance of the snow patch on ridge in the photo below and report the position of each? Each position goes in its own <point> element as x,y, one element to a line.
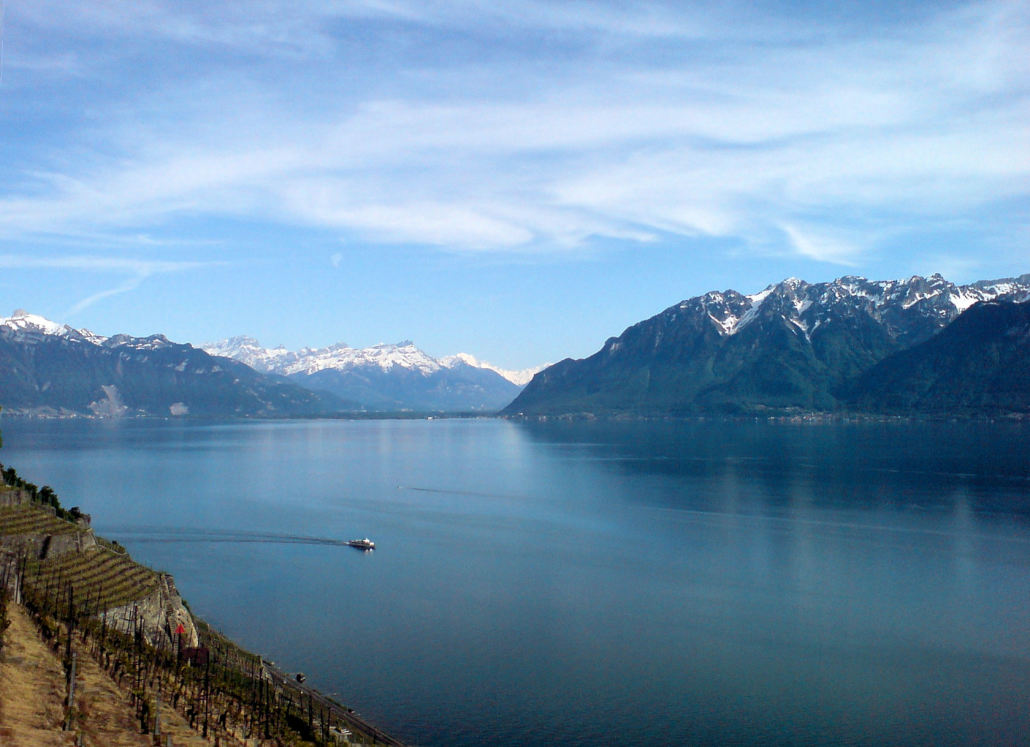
<point>962,300</point>
<point>23,321</point>
<point>403,354</point>
<point>756,299</point>
<point>518,378</point>
<point>25,325</point>
<point>877,297</point>
<point>342,357</point>
<point>727,325</point>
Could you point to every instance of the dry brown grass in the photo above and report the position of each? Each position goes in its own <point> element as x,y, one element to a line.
<point>31,688</point>
<point>32,698</point>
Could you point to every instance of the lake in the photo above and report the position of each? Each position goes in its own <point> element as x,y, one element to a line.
<point>593,583</point>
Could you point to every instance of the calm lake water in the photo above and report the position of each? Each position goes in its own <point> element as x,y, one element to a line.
<point>594,583</point>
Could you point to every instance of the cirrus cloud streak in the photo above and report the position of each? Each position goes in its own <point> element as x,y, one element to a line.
<point>814,143</point>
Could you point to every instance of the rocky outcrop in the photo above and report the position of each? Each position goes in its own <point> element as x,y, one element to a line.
<point>161,613</point>
<point>35,535</point>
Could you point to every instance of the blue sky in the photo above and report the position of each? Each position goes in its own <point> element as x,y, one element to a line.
<point>519,180</point>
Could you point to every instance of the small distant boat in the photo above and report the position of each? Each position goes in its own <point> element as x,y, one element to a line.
<point>362,544</point>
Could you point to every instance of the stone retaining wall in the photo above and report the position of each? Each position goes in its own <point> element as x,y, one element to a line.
<point>13,496</point>
<point>45,546</point>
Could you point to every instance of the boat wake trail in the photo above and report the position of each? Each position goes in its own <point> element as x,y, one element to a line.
<point>459,492</point>
<point>185,534</point>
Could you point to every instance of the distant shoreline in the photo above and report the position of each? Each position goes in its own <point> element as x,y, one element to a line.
<point>45,415</point>
<point>784,416</point>
<point>813,417</point>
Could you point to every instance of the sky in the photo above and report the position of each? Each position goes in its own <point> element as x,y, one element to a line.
<point>518,180</point>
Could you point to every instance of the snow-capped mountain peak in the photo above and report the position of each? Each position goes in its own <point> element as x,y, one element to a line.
<point>799,346</point>
<point>805,306</point>
<point>57,370</point>
<point>341,357</point>
<point>338,356</point>
<point>249,351</point>
<point>386,356</point>
<point>387,376</point>
<point>519,378</point>
<point>23,321</point>
<point>23,325</point>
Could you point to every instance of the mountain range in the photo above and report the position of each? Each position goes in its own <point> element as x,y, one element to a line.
<point>793,345</point>
<point>394,377</point>
<point>47,368</point>
<point>918,345</point>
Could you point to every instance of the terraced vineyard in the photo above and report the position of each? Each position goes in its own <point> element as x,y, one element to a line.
<point>29,518</point>
<point>239,696</point>
<point>101,578</point>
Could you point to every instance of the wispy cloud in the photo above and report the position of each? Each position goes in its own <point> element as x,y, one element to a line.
<point>128,265</point>
<point>130,284</point>
<point>821,246</point>
<point>133,271</point>
<point>804,141</point>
